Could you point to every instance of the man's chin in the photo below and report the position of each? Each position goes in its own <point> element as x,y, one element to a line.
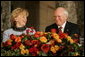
<point>58,24</point>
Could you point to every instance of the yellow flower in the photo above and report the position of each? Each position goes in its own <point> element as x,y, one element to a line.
<point>22,46</point>
<point>24,51</point>
<point>59,40</point>
<point>76,54</point>
<point>43,39</point>
<point>68,38</point>
<point>45,33</point>
<point>55,36</point>
<point>55,48</point>
<point>71,41</point>
<point>10,40</point>
<point>41,33</point>
<point>27,51</point>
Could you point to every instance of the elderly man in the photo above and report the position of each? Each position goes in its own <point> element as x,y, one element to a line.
<point>61,23</point>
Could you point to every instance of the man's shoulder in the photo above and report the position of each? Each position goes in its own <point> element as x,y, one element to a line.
<point>52,25</point>
<point>72,24</point>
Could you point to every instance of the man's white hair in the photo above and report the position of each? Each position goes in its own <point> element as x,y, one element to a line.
<point>66,13</point>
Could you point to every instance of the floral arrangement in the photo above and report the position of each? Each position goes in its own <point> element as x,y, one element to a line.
<point>41,44</point>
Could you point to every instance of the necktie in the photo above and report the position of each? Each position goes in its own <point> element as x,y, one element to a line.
<point>60,31</point>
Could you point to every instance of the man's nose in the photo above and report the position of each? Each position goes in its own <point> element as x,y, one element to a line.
<point>57,18</point>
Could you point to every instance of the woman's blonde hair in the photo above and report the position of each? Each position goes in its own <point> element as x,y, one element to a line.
<point>18,11</point>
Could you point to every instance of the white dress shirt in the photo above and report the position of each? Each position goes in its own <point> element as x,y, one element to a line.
<point>63,27</point>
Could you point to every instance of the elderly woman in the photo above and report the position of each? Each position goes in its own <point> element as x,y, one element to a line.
<point>18,20</point>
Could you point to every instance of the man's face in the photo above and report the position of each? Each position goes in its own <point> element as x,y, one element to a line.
<point>60,17</point>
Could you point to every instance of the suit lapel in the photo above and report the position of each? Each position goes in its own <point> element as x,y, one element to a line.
<point>66,30</point>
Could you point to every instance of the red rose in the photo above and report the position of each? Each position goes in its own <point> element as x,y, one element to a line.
<point>22,35</point>
<point>34,51</point>
<point>37,34</point>
<point>28,42</point>
<point>35,43</point>
<point>62,35</point>
<point>45,48</point>
<point>12,37</point>
<point>76,40</point>
<point>53,30</point>
<point>62,47</point>
<point>16,46</point>
<point>7,43</point>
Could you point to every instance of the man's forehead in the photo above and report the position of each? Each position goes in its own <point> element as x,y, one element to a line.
<point>60,9</point>
<point>58,13</point>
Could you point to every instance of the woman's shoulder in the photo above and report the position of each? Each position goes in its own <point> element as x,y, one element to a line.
<point>8,30</point>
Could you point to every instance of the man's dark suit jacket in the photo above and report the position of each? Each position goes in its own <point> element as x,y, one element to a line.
<point>70,28</point>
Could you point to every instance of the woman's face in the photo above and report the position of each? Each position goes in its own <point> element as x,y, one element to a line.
<point>21,20</point>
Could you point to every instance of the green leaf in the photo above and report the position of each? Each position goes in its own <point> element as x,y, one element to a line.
<point>44,54</point>
<point>40,53</point>
<point>23,39</point>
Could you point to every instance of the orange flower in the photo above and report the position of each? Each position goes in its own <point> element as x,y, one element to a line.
<point>59,40</point>
<point>24,51</point>
<point>18,39</point>
<point>55,48</point>
<point>55,36</point>
<point>63,35</point>
<point>43,39</point>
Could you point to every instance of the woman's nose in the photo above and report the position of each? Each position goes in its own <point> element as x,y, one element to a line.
<point>16,19</point>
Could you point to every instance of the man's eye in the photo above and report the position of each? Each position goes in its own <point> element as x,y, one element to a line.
<point>58,16</point>
<point>54,16</point>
